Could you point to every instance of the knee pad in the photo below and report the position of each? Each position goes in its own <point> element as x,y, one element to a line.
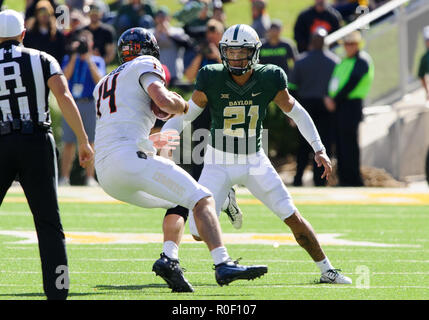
<point>179,210</point>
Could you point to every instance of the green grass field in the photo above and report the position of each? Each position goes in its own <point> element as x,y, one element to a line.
<point>100,270</point>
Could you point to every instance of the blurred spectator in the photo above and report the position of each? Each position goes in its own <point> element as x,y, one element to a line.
<point>276,50</point>
<point>30,9</point>
<point>218,12</point>
<point>137,13</point>
<point>75,4</point>
<point>309,84</point>
<point>172,42</point>
<point>208,54</point>
<point>261,20</point>
<point>103,34</point>
<point>321,15</point>
<point>208,50</point>
<point>347,8</point>
<point>374,4</point>
<point>424,63</point>
<point>83,70</point>
<point>77,22</point>
<point>349,85</point>
<point>42,33</point>
<point>197,27</point>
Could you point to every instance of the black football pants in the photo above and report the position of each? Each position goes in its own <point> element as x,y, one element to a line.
<point>33,158</point>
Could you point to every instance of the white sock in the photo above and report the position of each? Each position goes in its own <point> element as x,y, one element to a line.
<point>324,265</point>
<point>171,250</point>
<point>219,255</point>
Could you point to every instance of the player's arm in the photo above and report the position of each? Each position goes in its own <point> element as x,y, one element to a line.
<point>165,99</point>
<point>293,109</point>
<point>197,103</point>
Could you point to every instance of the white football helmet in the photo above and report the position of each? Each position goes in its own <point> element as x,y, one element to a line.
<point>237,37</point>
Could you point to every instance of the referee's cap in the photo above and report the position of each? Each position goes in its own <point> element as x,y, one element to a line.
<point>11,24</point>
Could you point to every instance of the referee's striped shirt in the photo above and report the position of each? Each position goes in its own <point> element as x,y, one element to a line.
<point>24,74</point>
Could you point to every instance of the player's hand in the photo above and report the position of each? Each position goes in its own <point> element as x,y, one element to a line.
<point>185,110</point>
<point>166,140</point>
<point>86,155</point>
<point>322,159</point>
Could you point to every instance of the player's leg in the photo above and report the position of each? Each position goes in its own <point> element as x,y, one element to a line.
<point>267,186</point>
<point>168,266</point>
<point>216,180</point>
<point>163,179</point>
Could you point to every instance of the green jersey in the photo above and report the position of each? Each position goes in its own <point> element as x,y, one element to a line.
<point>237,112</point>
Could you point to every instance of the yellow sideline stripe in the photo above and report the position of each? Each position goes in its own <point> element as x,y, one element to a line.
<point>366,198</point>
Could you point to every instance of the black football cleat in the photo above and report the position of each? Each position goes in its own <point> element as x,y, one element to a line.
<point>230,270</point>
<point>170,270</point>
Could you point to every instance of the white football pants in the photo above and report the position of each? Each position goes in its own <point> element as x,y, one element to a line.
<point>222,171</point>
<point>154,182</point>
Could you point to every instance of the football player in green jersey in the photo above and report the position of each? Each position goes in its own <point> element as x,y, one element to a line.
<point>238,93</point>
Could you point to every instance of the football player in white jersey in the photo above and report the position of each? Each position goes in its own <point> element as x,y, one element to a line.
<point>237,115</point>
<point>128,100</point>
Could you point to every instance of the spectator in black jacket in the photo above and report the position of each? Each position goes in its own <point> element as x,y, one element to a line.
<point>104,34</point>
<point>321,15</point>
<point>43,34</point>
<point>309,83</point>
<point>276,50</point>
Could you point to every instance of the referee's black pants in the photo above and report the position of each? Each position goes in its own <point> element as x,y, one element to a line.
<point>348,117</point>
<point>33,158</point>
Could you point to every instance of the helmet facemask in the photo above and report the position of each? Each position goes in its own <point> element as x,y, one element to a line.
<point>232,54</point>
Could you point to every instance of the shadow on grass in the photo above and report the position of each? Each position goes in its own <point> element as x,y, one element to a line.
<point>131,287</point>
<point>42,295</point>
<point>164,286</point>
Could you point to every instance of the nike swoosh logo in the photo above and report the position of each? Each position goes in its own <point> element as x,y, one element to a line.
<point>256,94</point>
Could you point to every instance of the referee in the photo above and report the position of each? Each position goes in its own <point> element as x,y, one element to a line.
<point>27,145</point>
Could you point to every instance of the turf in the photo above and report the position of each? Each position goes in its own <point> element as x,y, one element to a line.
<point>123,271</point>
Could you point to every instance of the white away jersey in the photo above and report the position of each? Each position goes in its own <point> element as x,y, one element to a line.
<point>123,107</point>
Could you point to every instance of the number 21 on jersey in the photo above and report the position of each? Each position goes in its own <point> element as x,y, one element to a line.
<point>237,116</point>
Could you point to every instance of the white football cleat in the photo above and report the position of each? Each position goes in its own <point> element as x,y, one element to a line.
<point>233,210</point>
<point>333,276</point>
